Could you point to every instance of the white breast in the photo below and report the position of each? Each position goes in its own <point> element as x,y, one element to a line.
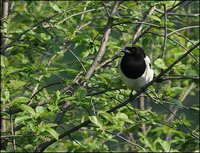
<point>147,76</point>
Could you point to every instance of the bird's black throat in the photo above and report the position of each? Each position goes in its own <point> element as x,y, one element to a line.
<point>133,67</point>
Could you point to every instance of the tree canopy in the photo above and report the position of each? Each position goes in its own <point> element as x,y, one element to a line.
<point>60,85</point>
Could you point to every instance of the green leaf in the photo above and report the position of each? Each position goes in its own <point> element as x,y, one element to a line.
<point>50,125</point>
<point>105,115</point>
<point>165,145</point>
<point>57,94</point>
<point>53,133</point>
<point>160,63</point>
<point>84,53</point>
<point>96,121</point>
<point>45,37</point>
<point>177,102</point>
<point>155,18</point>
<point>16,84</point>
<point>122,116</point>
<point>20,119</point>
<point>4,61</point>
<point>20,100</point>
<point>5,95</point>
<point>27,108</point>
<point>81,93</point>
<point>55,7</point>
<point>40,109</point>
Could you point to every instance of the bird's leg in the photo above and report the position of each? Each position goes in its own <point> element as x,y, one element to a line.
<point>130,94</point>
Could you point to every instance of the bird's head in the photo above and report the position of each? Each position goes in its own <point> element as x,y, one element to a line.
<point>134,50</point>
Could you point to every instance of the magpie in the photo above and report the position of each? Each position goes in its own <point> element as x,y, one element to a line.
<point>135,68</point>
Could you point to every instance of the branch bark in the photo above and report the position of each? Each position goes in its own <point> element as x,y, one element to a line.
<point>4,16</point>
<point>165,32</point>
<point>103,41</point>
<point>139,27</point>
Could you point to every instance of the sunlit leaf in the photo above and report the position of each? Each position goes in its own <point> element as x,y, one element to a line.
<point>4,61</point>
<point>16,83</point>
<point>160,63</point>
<point>96,121</point>
<point>27,108</point>
<point>20,100</point>
<point>53,133</point>
<point>20,119</point>
<point>81,93</point>
<point>55,6</point>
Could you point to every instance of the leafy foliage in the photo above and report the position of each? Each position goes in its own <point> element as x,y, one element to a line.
<point>50,47</point>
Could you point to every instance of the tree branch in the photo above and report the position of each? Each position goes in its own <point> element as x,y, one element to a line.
<point>4,15</point>
<point>165,33</point>
<point>139,27</point>
<point>149,27</point>
<point>103,41</point>
<point>178,78</point>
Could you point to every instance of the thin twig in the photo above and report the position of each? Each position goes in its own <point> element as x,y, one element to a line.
<point>119,136</point>
<point>139,27</point>
<point>178,14</point>
<point>159,101</point>
<point>171,116</point>
<point>80,13</point>
<point>107,62</point>
<point>60,115</point>
<point>106,8</point>
<point>165,32</point>
<point>55,83</point>
<point>77,142</point>
<point>184,28</point>
<point>82,16</point>
<point>188,91</point>
<point>35,25</point>
<point>176,42</point>
<point>62,44</point>
<point>149,27</point>
<point>187,15</point>
<point>76,58</point>
<point>178,78</point>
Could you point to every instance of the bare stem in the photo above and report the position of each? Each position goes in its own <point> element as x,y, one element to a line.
<point>165,33</point>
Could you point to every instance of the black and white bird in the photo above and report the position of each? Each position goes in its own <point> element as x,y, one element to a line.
<point>135,68</point>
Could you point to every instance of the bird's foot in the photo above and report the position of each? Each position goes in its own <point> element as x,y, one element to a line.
<point>130,95</point>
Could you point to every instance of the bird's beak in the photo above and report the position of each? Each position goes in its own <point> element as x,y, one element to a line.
<point>125,51</point>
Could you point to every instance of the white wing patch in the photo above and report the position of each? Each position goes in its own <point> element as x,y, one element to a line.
<point>147,76</point>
